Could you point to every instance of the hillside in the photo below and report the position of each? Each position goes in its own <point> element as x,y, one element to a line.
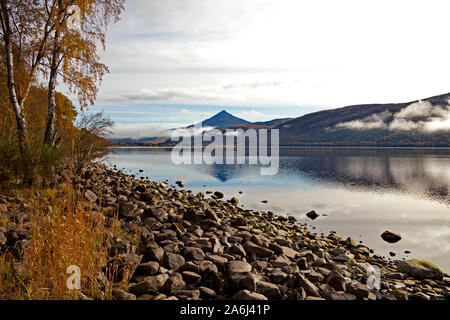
<point>273,123</point>
<point>371,125</point>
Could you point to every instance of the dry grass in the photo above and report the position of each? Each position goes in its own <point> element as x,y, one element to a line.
<point>64,232</point>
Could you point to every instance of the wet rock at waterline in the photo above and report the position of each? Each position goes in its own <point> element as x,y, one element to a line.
<point>391,237</point>
<point>312,215</point>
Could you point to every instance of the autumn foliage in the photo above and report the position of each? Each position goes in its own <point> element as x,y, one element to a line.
<point>43,42</point>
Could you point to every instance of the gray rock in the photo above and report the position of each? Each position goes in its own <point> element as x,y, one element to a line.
<point>316,277</point>
<point>193,253</point>
<point>190,277</point>
<point>250,247</point>
<point>173,261</point>
<point>175,282</point>
<point>150,268</point>
<point>288,252</point>
<point>245,295</point>
<point>151,284</point>
<point>342,258</point>
<point>127,264</point>
<point>336,281</point>
<point>270,290</point>
<point>333,295</point>
<point>187,294</point>
<point>207,293</point>
<point>309,287</point>
<point>218,260</point>
<point>238,267</point>
<point>154,253</point>
<point>238,249</point>
<point>277,276</point>
<point>121,294</point>
<point>245,281</point>
<point>127,210</point>
<point>359,290</point>
<point>281,261</point>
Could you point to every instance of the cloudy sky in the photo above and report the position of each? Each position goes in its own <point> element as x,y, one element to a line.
<point>174,62</point>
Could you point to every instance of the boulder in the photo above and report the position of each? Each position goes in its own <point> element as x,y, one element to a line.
<point>175,282</point>
<point>238,267</point>
<point>312,215</point>
<point>420,269</point>
<point>218,195</point>
<point>121,294</point>
<point>187,294</point>
<point>207,293</point>
<point>336,281</point>
<point>173,261</point>
<point>248,296</point>
<point>309,287</point>
<point>268,289</point>
<point>288,252</point>
<point>151,284</point>
<point>150,268</point>
<point>127,210</point>
<point>250,247</point>
<point>190,277</point>
<point>193,253</point>
<point>391,237</point>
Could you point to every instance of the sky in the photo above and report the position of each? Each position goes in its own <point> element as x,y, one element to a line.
<point>175,62</point>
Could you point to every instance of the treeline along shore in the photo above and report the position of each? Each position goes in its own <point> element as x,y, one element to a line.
<point>151,241</point>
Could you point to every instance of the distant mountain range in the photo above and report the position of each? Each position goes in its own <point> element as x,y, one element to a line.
<point>417,123</point>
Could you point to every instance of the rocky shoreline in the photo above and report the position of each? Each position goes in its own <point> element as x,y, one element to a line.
<point>192,247</point>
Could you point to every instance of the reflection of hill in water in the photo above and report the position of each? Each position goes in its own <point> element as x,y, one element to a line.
<point>421,172</point>
<point>224,172</point>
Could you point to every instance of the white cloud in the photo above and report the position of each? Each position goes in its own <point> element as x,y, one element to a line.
<point>375,121</point>
<point>338,51</point>
<point>175,94</point>
<point>421,115</point>
<point>140,130</point>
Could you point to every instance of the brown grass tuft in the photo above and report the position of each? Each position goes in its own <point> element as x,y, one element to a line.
<point>64,232</point>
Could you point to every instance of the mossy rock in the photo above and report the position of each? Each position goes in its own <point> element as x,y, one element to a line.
<point>420,269</point>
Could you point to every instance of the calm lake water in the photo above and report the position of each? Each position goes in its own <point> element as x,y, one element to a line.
<point>358,192</point>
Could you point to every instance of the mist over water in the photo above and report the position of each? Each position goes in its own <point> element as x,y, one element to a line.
<point>358,192</point>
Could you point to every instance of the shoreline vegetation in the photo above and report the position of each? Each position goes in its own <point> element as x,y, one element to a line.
<point>138,239</point>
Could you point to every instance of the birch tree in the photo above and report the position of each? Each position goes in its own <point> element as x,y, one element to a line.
<point>25,29</point>
<point>80,28</point>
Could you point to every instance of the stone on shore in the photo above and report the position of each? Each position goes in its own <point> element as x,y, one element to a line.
<point>420,269</point>
<point>91,196</point>
<point>247,295</point>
